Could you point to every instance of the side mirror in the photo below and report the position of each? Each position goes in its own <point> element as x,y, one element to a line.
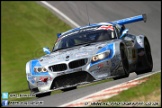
<point>46,50</point>
<point>124,33</point>
<point>58,35</point>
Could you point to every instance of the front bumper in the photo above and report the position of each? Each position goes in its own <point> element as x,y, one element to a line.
<point>77,76</point>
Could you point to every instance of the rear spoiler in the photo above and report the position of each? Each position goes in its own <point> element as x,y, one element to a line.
<point>130,20</point>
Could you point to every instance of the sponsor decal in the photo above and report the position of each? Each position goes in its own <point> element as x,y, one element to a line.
<point>40,83</point>
<point>67,58</point>
<point>43,79</point>
<point>102,75</point>
<point>99,71</point>
<point>87,29</point>
<point>32,79</point>
<point>100,65</point>
<point>109,27</point>
<point>69,71</point>
<point>61,73</point>
<point>73,70</point>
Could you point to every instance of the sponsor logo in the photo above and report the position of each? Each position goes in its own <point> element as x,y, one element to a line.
<point>101,65</point>
<point>102,75</point>
<point>61,73</point>
<point>74,70</point>
<point>4,102</point>
<point>40,83</point>
<point>5,95</point>
<point>109,27</point>
<point>32,79</point>
<point>67,58</point>
<point>43,79</point>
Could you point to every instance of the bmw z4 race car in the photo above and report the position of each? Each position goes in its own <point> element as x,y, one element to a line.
<point>90,53</point>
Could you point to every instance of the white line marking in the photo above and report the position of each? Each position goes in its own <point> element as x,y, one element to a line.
<point>147,75</point>
<point>104,94</point>
<point>105,89</point>
<point>62,14</point>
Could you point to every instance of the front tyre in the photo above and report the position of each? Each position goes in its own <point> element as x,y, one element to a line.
<point>146,60</point>
<point>124,61</point>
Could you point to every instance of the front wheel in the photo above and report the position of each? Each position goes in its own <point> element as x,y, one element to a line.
<point>124,61</point>
<point>146,60</point>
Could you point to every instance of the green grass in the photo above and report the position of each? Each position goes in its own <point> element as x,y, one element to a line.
<point>26,27</point>
<point>148,91</point>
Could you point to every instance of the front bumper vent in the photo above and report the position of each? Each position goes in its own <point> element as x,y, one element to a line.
<point>72,79</point>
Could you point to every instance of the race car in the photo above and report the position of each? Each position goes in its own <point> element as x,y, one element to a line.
<point>90,53</point>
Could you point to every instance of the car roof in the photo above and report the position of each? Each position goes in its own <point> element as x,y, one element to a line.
<point>85,27</point>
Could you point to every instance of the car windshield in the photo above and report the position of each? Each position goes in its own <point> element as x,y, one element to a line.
<point>81,38</point>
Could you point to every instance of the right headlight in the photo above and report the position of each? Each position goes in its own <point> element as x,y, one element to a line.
<point>101,56</point>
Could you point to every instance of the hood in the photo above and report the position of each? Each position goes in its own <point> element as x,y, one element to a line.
<point>69,54</point>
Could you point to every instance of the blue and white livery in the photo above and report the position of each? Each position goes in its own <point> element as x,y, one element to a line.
<point>90,53</point>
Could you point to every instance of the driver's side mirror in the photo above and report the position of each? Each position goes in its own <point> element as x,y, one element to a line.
<point>124,33</point>
<point>46,50</point>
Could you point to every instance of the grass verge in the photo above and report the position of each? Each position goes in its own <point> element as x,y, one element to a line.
<point>26,27</point>
<point>146,94</point>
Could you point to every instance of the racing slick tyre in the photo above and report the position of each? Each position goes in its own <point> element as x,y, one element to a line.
<point>124,61</point>
<point>68,89</point>
<point>35,90</point>
<point>146,62</point>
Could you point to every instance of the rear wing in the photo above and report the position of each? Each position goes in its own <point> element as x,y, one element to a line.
<point>120,22</point>
<point>130,20</point>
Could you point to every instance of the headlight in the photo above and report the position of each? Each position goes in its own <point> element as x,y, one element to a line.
<point>40,69</point>
<point>101,56</point>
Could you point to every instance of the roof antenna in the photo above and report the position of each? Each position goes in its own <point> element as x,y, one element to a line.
<point>87,14</point>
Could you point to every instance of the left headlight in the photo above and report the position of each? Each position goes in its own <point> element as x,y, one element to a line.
<point>100,56</point>
<point>40,69</point>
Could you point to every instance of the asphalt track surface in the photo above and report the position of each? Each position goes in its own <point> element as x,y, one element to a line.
<point>101,11</point>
